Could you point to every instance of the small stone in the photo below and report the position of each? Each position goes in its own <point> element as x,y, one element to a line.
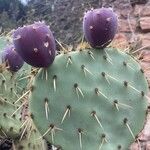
<point>133,2</point>
<point>148,146</point>
<point>145,40</point>
<point>146,11</point>
<point>124,25</point>
<point>145,24</point>
<point>138,9</point>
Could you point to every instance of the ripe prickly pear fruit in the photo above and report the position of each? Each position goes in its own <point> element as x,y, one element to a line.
<point>100,26</point>
<point>13,61</point>
<point>35,44</point>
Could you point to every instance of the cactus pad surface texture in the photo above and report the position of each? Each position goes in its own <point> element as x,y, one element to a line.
<point>12,88</point>
<point>31,141</point>
<point>90,100</point>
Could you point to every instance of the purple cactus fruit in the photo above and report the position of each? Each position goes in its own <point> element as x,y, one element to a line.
<point>100,27</point>
<point>13,61</point>
<point>35,44</point>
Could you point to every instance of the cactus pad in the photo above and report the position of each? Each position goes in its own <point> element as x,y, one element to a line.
<point>31,141</point>
<point>90,99</point>
<point>11,90</point>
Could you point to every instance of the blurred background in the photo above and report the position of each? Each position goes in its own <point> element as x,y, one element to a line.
<point>65,16</point>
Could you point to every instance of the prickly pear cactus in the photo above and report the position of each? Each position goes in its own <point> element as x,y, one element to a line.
<point>35,44</point>
<point>32,140</point>
<point>12,90</point>
<point>100,26</point>
<point>90,99</point>
<point>13,87</point>
<point>11,58</point>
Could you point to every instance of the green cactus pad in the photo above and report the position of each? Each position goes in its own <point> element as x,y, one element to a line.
<point>11,89</point>
<point>90,100</point>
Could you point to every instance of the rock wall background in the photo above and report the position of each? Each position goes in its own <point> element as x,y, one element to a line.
<point>65,17</point>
